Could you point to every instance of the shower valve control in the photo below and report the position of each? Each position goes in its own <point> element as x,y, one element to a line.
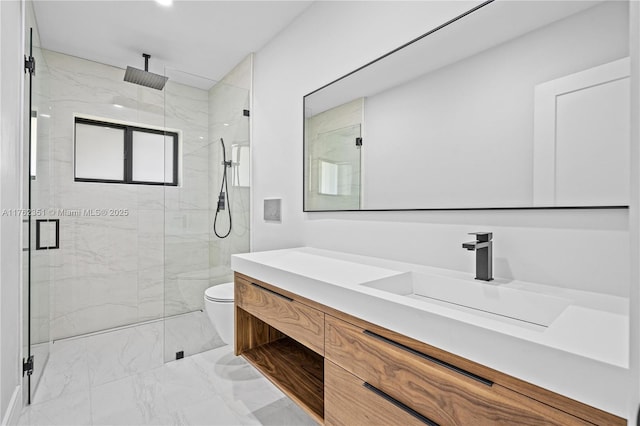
<point>221,201</point>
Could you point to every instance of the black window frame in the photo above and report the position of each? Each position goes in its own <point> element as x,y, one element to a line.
<point>128,152</point>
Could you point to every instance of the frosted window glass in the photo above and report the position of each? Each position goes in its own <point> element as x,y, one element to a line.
<point>99,152</point>
<point>152,157</point>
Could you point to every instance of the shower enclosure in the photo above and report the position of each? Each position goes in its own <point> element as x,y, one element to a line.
<point>105,254</point>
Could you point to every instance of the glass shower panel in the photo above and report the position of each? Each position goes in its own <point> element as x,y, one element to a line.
<point>38,255</point>
<point>109,271</point>
<point>186,217</point>
<point>203,112</point>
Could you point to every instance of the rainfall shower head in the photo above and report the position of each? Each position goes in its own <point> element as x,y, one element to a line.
<point>145,78</point>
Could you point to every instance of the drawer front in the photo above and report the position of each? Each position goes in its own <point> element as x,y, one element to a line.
<point>302,323</point>
<point>349,401</point>
<point>439,391</point>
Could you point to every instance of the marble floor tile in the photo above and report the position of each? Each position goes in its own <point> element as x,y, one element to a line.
<point>128,401</point>
<point>239,384</point>
<point>212,411</point>
<point>66,371</point>
<point>124,352</point>
<point>181,383</point>
<point>282,412</point>
<point>66,410</point>
<point>119,378</point>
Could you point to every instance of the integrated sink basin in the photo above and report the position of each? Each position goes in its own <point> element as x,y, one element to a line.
<point>490,297</point>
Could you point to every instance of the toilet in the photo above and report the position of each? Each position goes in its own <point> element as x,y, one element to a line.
<point>218,302</point>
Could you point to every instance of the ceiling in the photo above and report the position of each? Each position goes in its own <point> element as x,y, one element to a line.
<point>203,38</point>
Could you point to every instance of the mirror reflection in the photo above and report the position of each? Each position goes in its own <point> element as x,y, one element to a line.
<point>513,105</point>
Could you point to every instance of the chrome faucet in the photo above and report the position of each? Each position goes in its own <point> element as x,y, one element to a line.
<point>484,251</point>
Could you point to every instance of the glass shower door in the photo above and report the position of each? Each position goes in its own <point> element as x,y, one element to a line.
<point>40,227</point>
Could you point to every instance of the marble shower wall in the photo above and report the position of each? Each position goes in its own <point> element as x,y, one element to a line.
<point>110,271</point>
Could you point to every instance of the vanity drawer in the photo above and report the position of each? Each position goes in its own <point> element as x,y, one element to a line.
<point>298,321</point>
<point>439,391</point>
<point>350,401</point>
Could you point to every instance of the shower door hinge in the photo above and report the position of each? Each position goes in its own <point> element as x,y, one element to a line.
<point>30,65</point>
<point>358,141</point>
<point>245,112</point>
<point>27,366</point>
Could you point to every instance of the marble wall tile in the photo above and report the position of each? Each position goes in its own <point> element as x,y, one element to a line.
<point>186,225</point>
<point>184,255</point>
<point>91,244</point>
<point>182,295</point>
<point>150,197</point>
<point>151,295</point>
<point>69,297</point>
<point>85,304</point>
<point>40,310</point>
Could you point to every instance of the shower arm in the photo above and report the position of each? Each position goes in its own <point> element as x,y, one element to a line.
<point>146,57</point>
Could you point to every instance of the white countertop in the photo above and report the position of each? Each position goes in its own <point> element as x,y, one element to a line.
<point>582,354</point>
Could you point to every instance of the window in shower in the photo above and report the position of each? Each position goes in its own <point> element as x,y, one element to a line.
<point>110,152</point>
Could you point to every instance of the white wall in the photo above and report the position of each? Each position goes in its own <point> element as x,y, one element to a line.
<point>586,249</point>
<point>11,76</point>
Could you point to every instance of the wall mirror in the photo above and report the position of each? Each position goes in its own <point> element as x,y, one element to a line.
<point>512,105</point>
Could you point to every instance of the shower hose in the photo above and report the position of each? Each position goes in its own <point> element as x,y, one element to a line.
<point>222,199</point>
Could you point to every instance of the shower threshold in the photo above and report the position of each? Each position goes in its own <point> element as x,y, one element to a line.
<point>123,327</point>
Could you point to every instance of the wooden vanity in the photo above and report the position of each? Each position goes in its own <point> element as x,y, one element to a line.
<point>346,371</point>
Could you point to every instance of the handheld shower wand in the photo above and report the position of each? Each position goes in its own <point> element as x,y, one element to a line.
<point>222,197</point>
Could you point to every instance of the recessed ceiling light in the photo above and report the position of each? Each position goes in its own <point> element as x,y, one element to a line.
<point>118,106</point>
<point>45,115</point>
<point>165,2</point>
<point>201,137</point>
<point>226,124</point>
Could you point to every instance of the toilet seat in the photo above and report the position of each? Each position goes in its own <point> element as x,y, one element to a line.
<point>222,293</point>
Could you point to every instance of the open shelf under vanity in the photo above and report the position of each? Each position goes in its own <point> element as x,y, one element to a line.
<point>294,369</point>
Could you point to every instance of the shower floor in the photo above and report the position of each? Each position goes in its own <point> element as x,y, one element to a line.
<point>120,378</point>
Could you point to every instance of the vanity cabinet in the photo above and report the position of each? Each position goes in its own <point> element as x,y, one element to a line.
<point>443,393</point>
<point>346,371</point>
<point>348,402</point>
<point>296,320</point>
